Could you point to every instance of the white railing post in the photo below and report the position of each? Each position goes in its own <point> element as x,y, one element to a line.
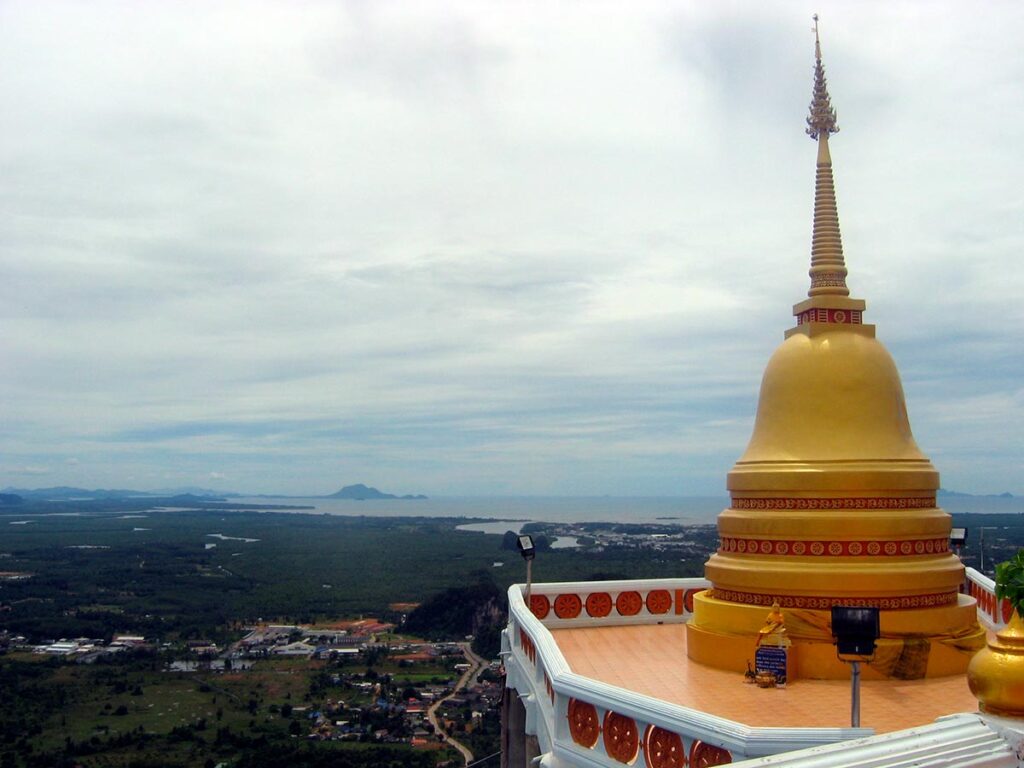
<point>992,613</point>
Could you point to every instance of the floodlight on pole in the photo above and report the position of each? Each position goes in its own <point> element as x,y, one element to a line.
<point>855,629</point>
<point>981,543</point>
<point>957,539</point>
<point>524,542</point>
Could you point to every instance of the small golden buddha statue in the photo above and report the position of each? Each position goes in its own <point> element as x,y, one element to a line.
<point>774,628</point>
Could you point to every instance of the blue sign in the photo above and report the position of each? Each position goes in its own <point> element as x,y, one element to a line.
<point>771,658</point>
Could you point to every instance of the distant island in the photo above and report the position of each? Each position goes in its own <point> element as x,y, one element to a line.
<point>10,497</point>
<point>360,492</point>
<point>1003,495</point>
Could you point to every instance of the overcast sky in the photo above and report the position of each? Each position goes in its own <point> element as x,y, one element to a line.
<point>488,247</point>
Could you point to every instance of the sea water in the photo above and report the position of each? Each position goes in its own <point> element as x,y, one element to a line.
<point>550,509</point>
<point>668,510</point>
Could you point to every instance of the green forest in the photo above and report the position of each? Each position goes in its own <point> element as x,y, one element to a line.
<point>201,572</point>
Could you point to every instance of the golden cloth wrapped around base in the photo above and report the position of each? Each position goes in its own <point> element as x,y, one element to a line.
<point>915,643</point>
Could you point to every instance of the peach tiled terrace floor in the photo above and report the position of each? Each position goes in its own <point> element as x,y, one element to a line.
<point>651,660</point>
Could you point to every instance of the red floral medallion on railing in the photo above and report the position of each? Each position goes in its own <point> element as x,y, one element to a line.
<point>659,601</point>
<point>540,606</point>
<point>621,740</point>
<point>706,755</point>
<point>568,606</point>
<point>583,724</point>
<point>599,604</point>
<point>688,599</point>
<point>663,749</point>
<point>629,603</point>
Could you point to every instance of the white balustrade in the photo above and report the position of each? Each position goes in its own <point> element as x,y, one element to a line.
<point>992,613</point>
<point>583,722</point>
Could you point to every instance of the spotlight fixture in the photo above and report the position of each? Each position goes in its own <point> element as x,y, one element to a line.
<point>855,628</point>
<point>525,544</point>
<point>957,538</point>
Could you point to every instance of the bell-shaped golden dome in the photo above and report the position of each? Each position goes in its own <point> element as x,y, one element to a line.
<point>834,396</point>
<point>832,411</point>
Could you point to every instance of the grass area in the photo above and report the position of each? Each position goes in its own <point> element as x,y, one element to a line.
<point>194,717</point>
<point>404,677</point>
<point>112,702</point>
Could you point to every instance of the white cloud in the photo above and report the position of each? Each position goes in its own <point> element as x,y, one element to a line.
<point>310,243</point>
<point>28,470</point>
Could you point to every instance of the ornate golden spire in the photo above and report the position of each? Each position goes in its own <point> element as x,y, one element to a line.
<point>823,117</point>
<point>828,270</point>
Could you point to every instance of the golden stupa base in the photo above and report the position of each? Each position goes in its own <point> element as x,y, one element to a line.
<point>917,643</point>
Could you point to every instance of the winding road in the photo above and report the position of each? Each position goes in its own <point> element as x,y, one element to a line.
<point>477,665</point>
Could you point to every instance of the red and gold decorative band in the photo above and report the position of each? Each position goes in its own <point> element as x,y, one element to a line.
<point>825,603</point>
<point>873,548</point>
<point>843,316</point>
<point>876,502</point>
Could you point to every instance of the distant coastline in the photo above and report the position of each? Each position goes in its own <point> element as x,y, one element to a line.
<point>679,510</point>
<point>357,492</point>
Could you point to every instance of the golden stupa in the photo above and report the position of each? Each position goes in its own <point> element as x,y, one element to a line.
<point>833,503</point>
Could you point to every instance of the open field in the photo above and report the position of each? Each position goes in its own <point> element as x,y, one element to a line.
<point>113,714</point>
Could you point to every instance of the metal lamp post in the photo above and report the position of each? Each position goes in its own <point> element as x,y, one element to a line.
<point>981,543</point>
<point>525,544</point>
<point>957,540</point>
<point>855,629</point>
